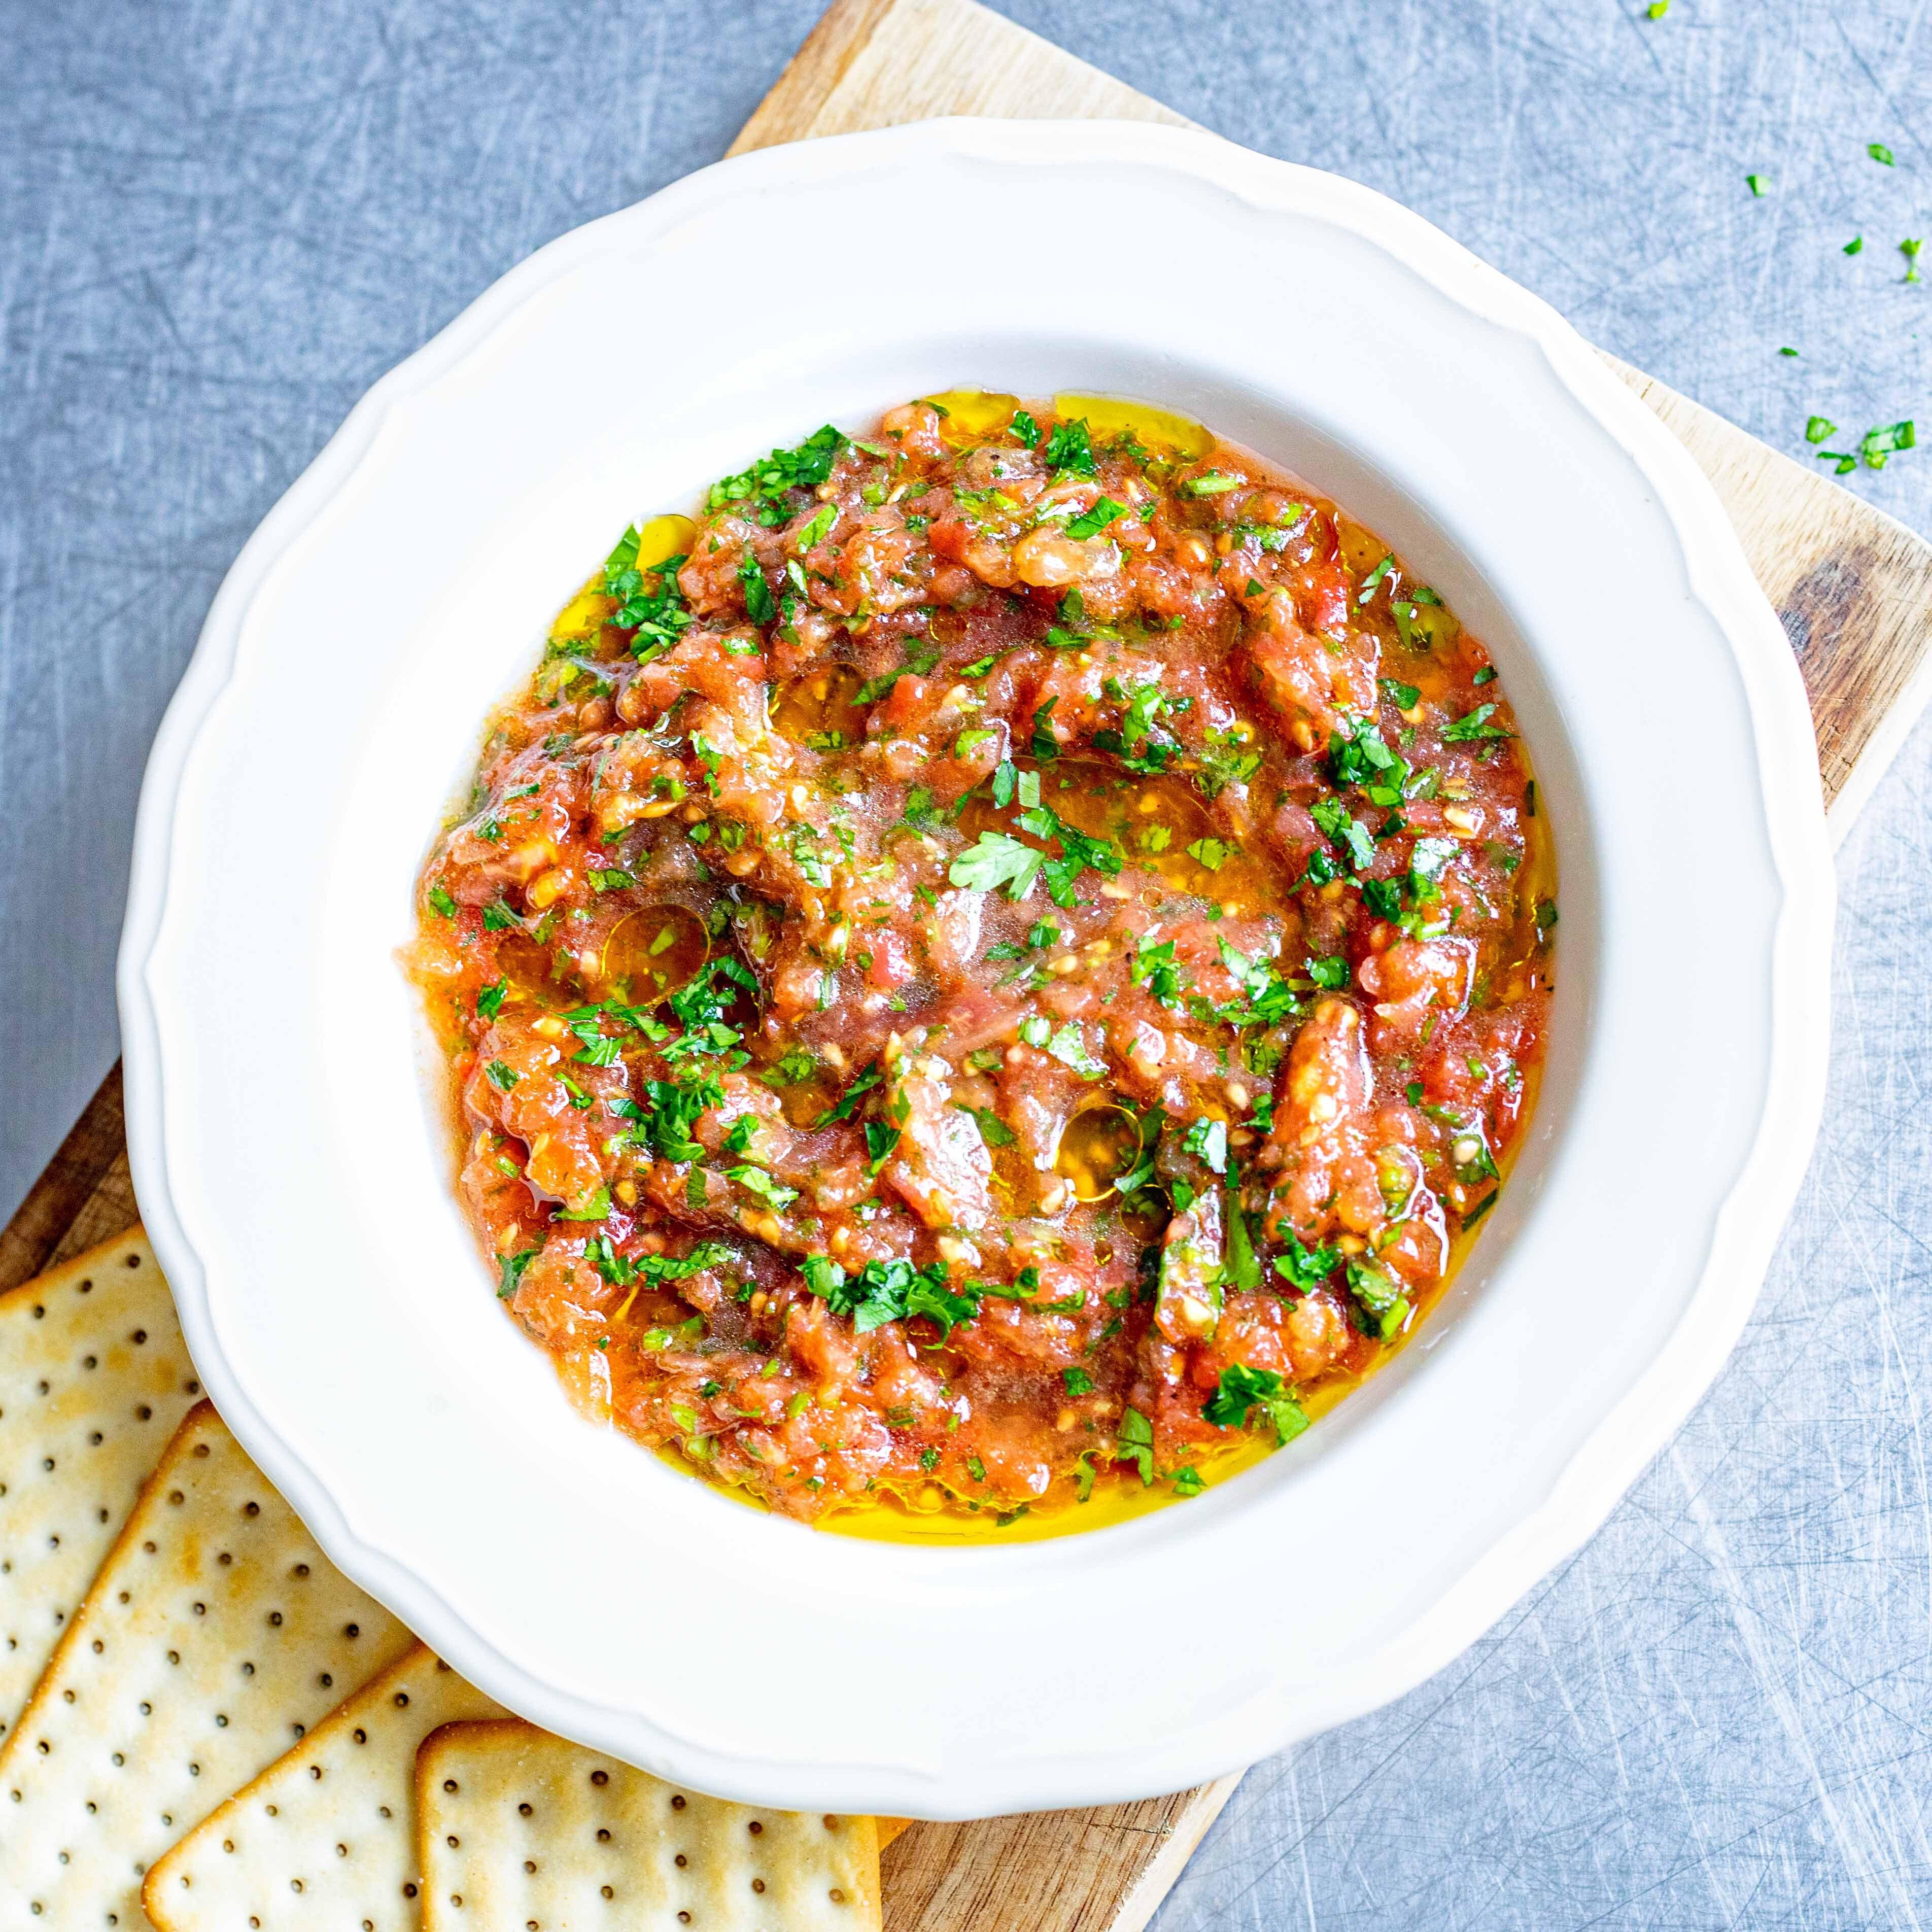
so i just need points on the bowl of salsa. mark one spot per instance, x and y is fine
(990, 975)
(941, 1032)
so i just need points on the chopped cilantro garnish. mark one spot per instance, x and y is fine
(1383, 897)
(1306, 1269)
(882, 1291)
(442, 902)
(1068, 451)
(1379, 1296)
(490, 1000)
(501, 1076)
(993, 1130)
(1475, 725)
(595, 1206)
(1023, 426)
(765, 483)
(848, 1103)
(1094, 521)
(1333, 819)
(760, 605)
(997, 859)
(1817, 428)
(658, 615)
(1880, 152)
(675, 1106)
(1077, 1381)
(1044, 744)
(1226, 759)
(1133, 1442)
(755, 1180)
(1355, 758)
(1068, 1045)
(510, 1272)
(1243, 1389)
(1152, 966)
(880, 1140)
(1207, 1141)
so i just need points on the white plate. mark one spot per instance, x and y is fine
(287, 1148)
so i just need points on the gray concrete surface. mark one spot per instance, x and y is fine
(221, 221)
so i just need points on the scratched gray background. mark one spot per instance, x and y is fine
(220, 222)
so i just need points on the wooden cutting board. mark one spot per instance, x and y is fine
(1854, 589)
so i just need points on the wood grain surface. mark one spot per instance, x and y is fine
(1854, 590)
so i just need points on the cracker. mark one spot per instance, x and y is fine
(519, 1829)
(890, 1829)
(215, 1634)
(326, 1836)
(94, 1376)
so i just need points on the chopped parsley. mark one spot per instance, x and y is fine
(1092, 522)
(1207, 1141)
(649, 603)
(510, 1271)
(880, 1140)
(847, 1104)
(754, 1181)
(763, 487)
(1226, 759)
(1306, 1269)
(1473, 726)
(1243, 1389)
(1133, 1442)
(759, 604)
(1070, 450)
(893, 1291)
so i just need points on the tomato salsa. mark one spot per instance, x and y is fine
(992, 973)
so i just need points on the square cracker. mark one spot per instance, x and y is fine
(215, 1634)
(519, 1829)
(325, 1837)
(94, 1376)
